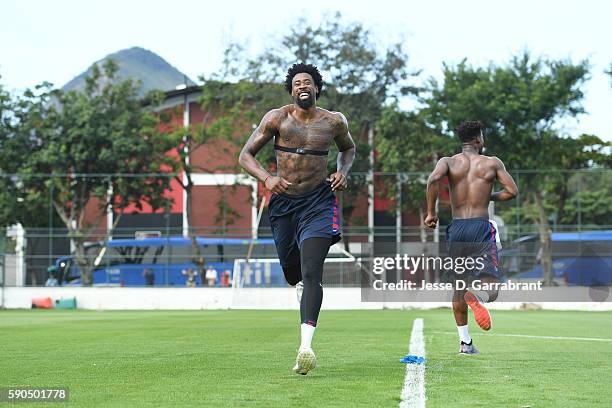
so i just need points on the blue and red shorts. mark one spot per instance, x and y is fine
(475, 238)
(296, 218)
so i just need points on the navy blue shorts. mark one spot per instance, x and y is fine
(296, 218)
(475, 238)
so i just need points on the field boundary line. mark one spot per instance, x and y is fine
(413, 392)
(532, 336)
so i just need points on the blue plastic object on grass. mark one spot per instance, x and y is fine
(412, 359)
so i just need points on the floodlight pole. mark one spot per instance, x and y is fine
(371, 186)
(186, 225)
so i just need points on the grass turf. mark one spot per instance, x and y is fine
(244, 358)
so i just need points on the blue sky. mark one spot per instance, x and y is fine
(57, 40)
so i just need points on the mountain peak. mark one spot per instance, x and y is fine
(153, 72)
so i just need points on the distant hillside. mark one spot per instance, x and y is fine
(136, 63)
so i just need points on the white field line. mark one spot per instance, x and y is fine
(529, 336)
(413, 393)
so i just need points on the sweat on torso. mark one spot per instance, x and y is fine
(304, 171)
(471, 179)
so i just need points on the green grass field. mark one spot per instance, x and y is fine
(244, 358)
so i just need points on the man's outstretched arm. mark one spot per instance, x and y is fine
(266, 130)
(510, 190)
(346, 155)
(433, 187)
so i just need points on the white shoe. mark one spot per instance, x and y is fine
(305, 361)
(299, 289)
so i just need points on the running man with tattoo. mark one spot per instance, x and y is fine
(303, 209)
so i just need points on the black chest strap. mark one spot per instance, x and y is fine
(299, 150)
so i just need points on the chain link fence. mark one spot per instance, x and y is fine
(36, 254)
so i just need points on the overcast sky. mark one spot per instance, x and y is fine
(57, 40)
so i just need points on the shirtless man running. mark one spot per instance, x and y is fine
(303, 209)
(470, 234)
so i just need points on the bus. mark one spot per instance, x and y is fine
(128, 262)
(578, 258)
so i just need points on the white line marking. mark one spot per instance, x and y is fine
(529, 336)
(413, 393)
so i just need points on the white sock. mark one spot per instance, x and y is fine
(464, 336)
(307, 333)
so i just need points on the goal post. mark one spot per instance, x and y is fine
(267, 272)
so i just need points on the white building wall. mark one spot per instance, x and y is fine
(114, 298)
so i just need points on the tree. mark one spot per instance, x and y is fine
(589, 204)
(405, 144)
(98, 144)
(360, 77)
(520, 105)
(18, 205)
(183, 141)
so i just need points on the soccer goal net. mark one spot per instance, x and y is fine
(267, 272)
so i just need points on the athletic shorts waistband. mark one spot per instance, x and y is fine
(307, 194)
(470, 219)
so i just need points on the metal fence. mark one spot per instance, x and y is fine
(576, 200)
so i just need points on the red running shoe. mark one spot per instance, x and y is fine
(481, 313)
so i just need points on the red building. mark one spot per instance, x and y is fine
(225, 201)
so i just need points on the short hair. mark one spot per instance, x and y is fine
(468, 130)
(309, 69)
